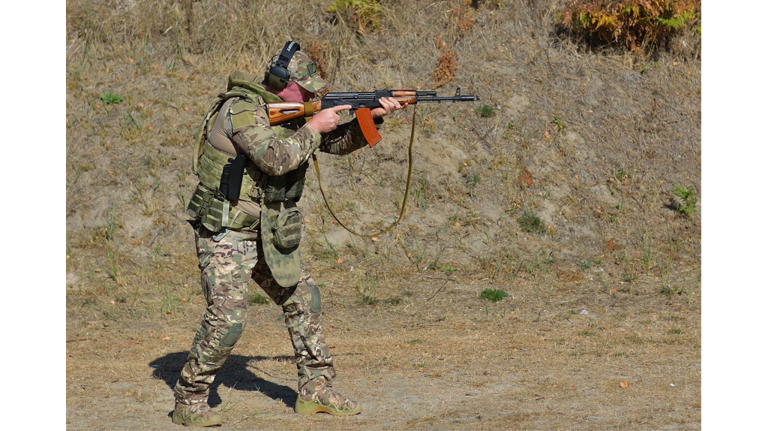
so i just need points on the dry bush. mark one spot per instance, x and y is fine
(464, 18)
(445, 69)
(439, 43)
(446, 66)
(634, 24)
(318, 52)
(363, 16)
(495, 4)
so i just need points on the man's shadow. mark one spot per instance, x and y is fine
(234, 374)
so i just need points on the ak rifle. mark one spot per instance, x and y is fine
(362, 103)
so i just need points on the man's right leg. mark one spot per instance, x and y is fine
(226, 266)
(303, 317)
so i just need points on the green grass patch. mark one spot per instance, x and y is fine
(670, 290)
(486, 111)
(530, 222)
(256, 298)
(686, 202)
(493, 295)
(110, 98)
(559, 124)
(395, 300)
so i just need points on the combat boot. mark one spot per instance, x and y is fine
(318, 395)
(197, 415)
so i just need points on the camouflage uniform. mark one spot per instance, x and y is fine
(229, 257)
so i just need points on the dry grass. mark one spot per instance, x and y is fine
(593, 145)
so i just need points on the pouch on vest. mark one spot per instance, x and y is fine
(284, 263)
(199, 202)
(232, 177)
(287, 229)
(217, 215)
(286, 187)
(294, 184)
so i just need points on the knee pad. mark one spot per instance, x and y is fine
(315, 305)
(232, 335)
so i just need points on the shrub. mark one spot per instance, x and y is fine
(633, 24)
(360, 15)
(684, 200)
(445, 69)
(318, 53)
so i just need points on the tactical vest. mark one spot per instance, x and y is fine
(207, 204)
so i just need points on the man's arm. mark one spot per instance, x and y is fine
(348, 137)
(249, 129)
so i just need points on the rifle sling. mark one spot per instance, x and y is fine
(405, 197)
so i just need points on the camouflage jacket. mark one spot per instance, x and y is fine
(241, 125)
(277, 152)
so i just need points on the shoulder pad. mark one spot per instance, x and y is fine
(242, 114)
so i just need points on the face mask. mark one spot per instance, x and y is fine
(294, 93)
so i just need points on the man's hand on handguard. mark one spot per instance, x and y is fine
(388, 106)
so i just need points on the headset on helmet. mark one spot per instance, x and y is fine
(278, 76)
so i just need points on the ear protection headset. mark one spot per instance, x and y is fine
(278, 76)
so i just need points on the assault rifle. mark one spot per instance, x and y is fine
(362, 103)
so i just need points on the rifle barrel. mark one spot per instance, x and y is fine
(370, 98)
(447, 99)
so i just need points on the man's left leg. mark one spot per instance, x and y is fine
(303, 312)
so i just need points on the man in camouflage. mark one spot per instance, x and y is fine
(256, 236)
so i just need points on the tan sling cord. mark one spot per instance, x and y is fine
(405, 197)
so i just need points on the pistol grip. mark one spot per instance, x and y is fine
(365, 120)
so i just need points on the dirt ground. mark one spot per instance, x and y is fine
(564, 192)
(441, 359)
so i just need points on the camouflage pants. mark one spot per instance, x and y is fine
(226, 266)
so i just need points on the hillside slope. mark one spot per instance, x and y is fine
(562, 188)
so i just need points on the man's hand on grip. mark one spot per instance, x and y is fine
(328, 119)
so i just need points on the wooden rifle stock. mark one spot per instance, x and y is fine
(280, 112)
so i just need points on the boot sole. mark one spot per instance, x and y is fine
(314, 406)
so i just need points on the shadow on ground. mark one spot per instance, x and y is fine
(234, 375)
